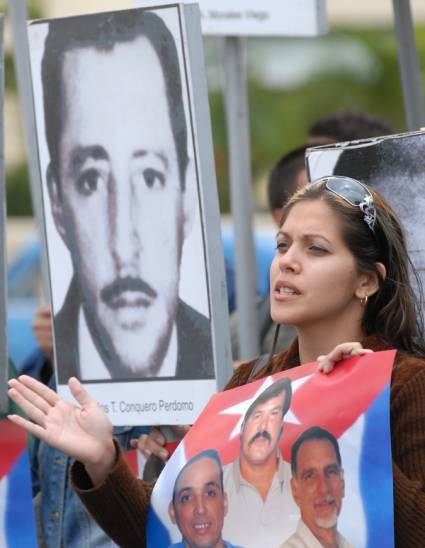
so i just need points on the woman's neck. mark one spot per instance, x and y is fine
(317, 340)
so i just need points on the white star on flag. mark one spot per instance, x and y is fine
(242, 407)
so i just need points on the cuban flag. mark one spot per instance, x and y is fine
(17, 525)
(352, 403)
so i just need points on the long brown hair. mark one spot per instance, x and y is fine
(393, 312)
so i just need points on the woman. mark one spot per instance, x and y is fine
(341, 273)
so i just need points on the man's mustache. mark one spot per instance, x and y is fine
(264, 434)
(114, 290)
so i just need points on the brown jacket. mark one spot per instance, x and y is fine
(120, 504)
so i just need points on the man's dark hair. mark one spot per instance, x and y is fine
(348, 125)
(283, 177)
(313, 433)
(282, 386)
(102, 32)
(206, 454)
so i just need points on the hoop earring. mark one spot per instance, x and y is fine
(363, 300)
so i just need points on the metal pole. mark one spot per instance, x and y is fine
(3, 215)
(237, 119)
(18, 17)
(409, 66)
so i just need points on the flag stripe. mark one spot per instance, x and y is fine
(13, 442)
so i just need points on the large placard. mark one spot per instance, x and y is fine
(126, 161)
(259, 18)
(284, 461)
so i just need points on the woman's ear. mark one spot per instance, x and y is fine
(370, 281)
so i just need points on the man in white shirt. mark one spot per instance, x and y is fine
(261, 509)
(318, 488)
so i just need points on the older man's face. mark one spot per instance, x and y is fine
(318, 486)
(200, 504)
(262, 430)
(119, 205)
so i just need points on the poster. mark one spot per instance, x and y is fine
(123, 170)
(289, 454)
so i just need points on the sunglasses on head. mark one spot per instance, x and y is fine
(355, 193)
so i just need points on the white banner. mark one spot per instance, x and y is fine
(258, 18)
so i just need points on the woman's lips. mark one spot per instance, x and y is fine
(286, 289)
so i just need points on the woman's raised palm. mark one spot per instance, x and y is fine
(81, 432)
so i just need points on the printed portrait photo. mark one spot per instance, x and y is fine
(284, 462)
(121, 197)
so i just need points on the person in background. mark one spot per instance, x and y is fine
(346, 125)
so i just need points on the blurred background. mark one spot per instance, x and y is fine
(292, 82)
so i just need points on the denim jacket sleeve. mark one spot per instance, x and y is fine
(63, 519)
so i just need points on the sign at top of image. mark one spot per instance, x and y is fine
(258, 17)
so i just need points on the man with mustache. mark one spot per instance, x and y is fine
(117, 139)
(261, 509)
(318, 488)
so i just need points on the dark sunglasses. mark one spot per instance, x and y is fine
(355, 193)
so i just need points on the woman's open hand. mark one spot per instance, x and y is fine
(84, 433)
(339, 353)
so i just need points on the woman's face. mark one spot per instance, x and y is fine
(313, 276)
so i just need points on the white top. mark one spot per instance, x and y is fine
(304, 538)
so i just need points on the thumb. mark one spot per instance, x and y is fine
(80, 393)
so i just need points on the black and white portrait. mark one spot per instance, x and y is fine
(121, 196)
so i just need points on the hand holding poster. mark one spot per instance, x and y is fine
(287, 459)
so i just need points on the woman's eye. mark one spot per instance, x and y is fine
(153, 178)
(88, 181)
(318, 249)
(281, 246)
